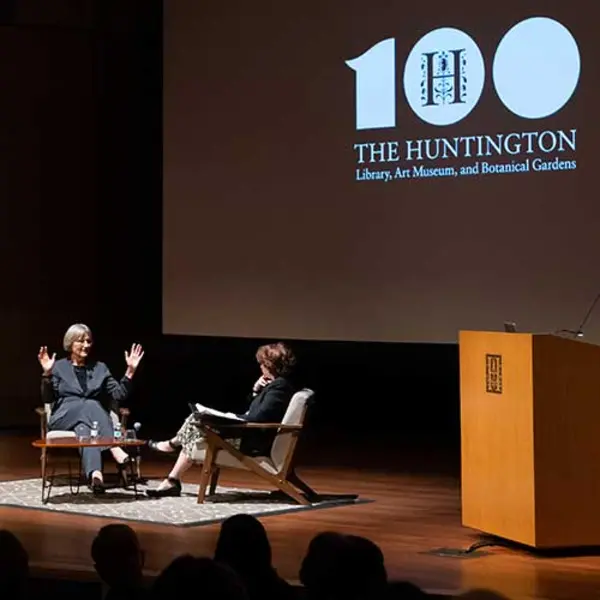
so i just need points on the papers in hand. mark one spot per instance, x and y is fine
(211, 412)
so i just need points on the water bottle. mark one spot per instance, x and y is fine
(94, 431)
(117, 433)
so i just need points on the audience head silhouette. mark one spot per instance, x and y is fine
(343, 566)
(117, 556)
(14, 565)
(237, 535)
(209, 578)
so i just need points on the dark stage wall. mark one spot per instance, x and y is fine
(80, 126)
(77, 183)
(48, 178)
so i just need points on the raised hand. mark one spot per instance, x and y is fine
(134, 357)
(45, 360)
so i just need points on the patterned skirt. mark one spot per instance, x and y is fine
(190, 436)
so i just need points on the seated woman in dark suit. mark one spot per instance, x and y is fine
(270, 398)
(82, 392)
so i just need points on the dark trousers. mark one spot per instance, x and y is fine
(78, 415)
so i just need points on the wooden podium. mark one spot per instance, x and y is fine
(530, 429)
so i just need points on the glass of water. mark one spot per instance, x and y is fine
(130, 435)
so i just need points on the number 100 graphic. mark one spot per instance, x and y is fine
(535, 72)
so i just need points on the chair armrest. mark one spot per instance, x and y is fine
(279, 426)
(40, 411)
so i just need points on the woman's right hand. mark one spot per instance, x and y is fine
(261, 382)
(45, 360)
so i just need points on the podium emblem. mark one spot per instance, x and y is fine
(493, 373)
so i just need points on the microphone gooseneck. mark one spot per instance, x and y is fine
(579, 332)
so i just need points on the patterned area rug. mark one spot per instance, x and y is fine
(120, 504)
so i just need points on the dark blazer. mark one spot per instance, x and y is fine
(63, 386)
(268, 406)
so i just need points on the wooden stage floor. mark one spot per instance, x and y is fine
(414, 511)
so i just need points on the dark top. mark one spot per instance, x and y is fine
(92, 381)
(268, 406)
(81, 374)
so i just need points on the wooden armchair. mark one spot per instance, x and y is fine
(277, 468)
(44, 413)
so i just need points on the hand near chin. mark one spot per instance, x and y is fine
(261, 382)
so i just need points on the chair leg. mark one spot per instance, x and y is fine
(44, 464)
(138, 470)
(295, 480)
(80, 476)
(207, 468)
(214, 479)
(287, 488)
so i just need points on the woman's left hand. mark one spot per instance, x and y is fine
(134, 357)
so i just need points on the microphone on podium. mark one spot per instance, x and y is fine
(578, 333)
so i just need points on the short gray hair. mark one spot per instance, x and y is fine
(75, 333)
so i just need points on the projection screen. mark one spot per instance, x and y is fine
(349, 170)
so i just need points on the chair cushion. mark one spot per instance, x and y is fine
(294, 415)
(56, 433)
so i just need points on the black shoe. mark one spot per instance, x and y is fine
(97, 486)
(173, 491)
(154, 446)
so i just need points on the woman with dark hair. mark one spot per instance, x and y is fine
(270, 397)
(82, 393)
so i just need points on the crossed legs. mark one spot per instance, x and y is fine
(91, 457)
(78, 416)
(186, 441)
